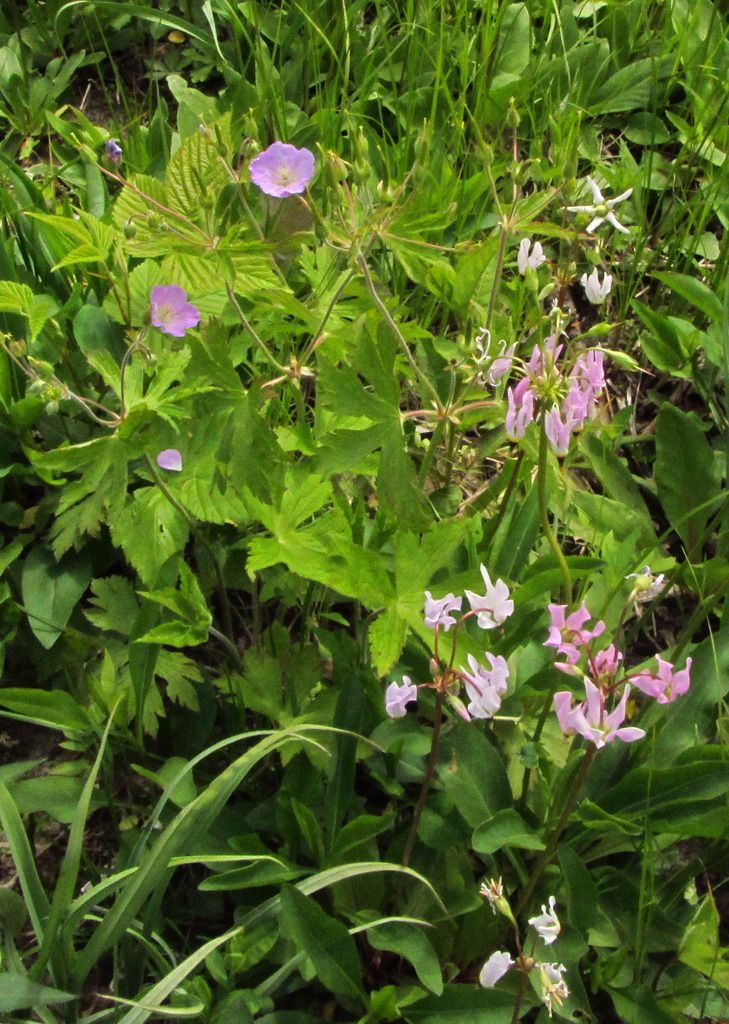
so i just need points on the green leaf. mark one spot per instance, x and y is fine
(56, 709)
(114, 604)
(325, 941)
(700, 947)
(51, 590)
(696, 292)
(149, 531)
(638, 1005)
(474, 777)
(463, 1004)
(663, 345)
(410, 942)
(505, 829)
(13, 912)
(687, 475)
(18, 992)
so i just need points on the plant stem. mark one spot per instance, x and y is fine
(427, 779)
(544, 516)
(519, 998)
(387, 316)
(224, 603)
(545, 857)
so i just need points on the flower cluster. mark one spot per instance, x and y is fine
(599, 717)
(566, 401)
(484, 683)
(552, 986)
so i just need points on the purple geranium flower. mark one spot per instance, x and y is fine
(282, 170)
(113, 150)
(170, 459)
(170, 310)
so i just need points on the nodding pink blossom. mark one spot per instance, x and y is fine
(590, 719)
(495, 968)
(529, 256)
(605, 665)
(500, 366)
(595, 289)
(589, 375)
(547, 924)
(544, 357)
(494, 607)
(520, 411)
(398, 695)
(485, 687)
(665, 685)
(437, 610)
(568, 634)
(282, 170)
(577, 403)
(558, 431)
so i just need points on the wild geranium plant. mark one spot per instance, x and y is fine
(304, 403)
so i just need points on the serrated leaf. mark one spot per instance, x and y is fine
(196, 174)
(387, 638)
(179, 674)
(149, 531)
(114, 604)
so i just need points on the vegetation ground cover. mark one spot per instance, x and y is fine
(364, 451)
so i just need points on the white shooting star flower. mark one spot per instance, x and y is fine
(602, 209)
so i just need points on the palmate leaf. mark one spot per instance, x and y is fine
(20, 299)
(149, 530)
(196, 174)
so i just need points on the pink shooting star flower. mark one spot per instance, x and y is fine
(170, 310)
(437, 611)
(559, 431)
(282, 170)
(544, 358)
(494, 607)
(665, 685)
(590, 719)
(398, 695)
(485, 687)
(520, 410)
(605, 665)
(568, 634)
